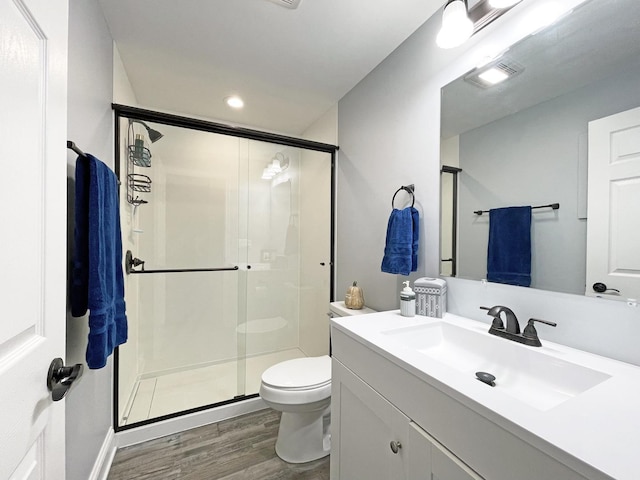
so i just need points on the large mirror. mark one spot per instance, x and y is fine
(525, 142)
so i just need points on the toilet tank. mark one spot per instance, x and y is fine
(338, 309)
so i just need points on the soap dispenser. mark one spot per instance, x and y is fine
(407, 301)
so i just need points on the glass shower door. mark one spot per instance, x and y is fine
(183, 300)
(288, 257)
(229, 243)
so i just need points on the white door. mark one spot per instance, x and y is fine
(33, 93)
(613, 224)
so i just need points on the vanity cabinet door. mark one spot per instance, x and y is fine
(372, 439)
(363, 425)
(429, 460)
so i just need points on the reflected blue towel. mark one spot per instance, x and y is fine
(401, 248)
(98, 283)
(509, 252)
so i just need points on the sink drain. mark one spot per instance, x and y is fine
(487, 378)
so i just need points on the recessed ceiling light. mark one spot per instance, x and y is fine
(234, 101)
(493, 76)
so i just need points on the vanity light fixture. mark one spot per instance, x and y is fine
(234, 101)
(266, 174)
(460, 22)
(278, 164)
(456, 26)
(274, 166)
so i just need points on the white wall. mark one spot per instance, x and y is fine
(315, 216)
(389, 136)
(90, 126)
(532, 158)
(325, 128)
(388, 129)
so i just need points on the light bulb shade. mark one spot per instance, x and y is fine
(274, 166)
(502, 3)
(456, 26)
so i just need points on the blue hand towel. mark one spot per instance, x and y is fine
(509, 251)
(401, 249)
(415, 221)
(98, 283)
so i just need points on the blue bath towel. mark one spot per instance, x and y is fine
(401, 248)
(509, 251)
(98, 283)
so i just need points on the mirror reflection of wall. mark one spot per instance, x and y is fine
(524, 142)
(449, 160)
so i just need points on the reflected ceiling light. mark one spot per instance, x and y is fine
(456, 26)
(502, 3)
(493, 76)
(494, 73)
(234, 101)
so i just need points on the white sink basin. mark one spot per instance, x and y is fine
(525, 373)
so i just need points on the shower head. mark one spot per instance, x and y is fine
(154, 135)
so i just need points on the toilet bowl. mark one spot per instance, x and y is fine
(301, 390)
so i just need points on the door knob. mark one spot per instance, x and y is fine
(600, 287)
(395, 446)
(60, 378)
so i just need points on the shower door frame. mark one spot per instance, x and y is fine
(125, 111)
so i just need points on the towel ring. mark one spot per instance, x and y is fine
(409, 189)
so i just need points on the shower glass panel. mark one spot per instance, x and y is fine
(230, 242)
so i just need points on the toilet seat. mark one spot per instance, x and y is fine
(299, 373)
(298, 381)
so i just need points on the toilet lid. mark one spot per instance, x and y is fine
(299, 373)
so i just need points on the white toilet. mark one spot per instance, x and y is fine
(301, 390)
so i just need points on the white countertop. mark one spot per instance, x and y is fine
(600, 426)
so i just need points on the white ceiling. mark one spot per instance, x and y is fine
(290, 66)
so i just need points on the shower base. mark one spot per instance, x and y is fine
(175, 392)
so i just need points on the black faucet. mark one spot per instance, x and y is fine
(528, 337)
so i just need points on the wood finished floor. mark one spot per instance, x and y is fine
(235, 449)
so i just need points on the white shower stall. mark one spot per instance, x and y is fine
(230, 264)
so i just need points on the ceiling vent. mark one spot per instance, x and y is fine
(505, 67)
(287, 3)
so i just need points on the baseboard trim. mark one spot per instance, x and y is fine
(102, 465)
(163, 428)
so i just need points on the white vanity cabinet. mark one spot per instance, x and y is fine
(377, 399)
(372, 439)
